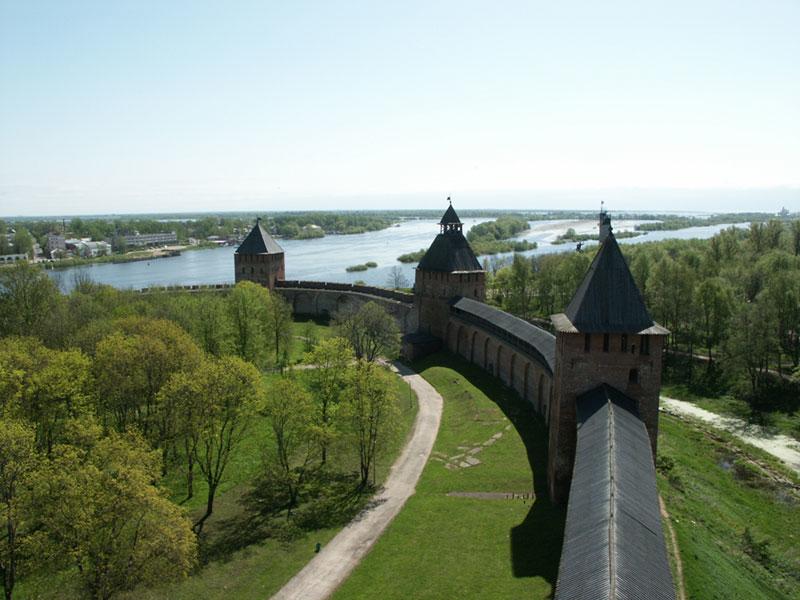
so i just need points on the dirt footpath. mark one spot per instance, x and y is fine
(780, 446)
(320, 578)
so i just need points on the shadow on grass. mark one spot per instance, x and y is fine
(536, 542)
(328, 499)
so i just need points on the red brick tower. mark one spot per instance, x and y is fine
(605, 336)
(259, 258)
(448, 269)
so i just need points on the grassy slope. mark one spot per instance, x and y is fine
(447, 547)
(711, 512)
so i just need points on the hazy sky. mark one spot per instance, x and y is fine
(116, 106)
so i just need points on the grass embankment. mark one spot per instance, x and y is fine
(784, 417)
(442, 546)
(717, 490)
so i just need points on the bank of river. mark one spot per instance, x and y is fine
(325, 259)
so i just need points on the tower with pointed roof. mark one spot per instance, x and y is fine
(605, 338)
(448, 270)
(259, 258)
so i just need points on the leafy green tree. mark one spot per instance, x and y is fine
(371, 331)
(27, 295)
(23, 242)
(751, 342)
(229, 393)
(18, 462)
(279, 325)
(291, 413)
(332, 359)
(714, 299)
(521, 290)
(370, 413)
(132, 365)
(100, 506)
(249, 306)
(211, 326)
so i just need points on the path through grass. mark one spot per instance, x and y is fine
(442, 546)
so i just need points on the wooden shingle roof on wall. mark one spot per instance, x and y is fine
(533, 340)
(613, 544)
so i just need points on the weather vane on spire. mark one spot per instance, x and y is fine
(450, 201)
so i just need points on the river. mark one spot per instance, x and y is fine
(325, 259)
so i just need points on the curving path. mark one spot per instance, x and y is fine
(780, 446)
(328, 569)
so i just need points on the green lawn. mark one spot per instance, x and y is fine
(441, 546)
(715, 492)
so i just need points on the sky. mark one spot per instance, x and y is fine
(153, 106)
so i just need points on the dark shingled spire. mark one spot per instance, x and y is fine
(608, 300)
(450, 250)
(449, 216)
(258, 241)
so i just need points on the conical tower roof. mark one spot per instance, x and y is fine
(607, 301)
(450, 250)
(258, 241)
(449, 216)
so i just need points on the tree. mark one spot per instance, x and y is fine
(230, 393)
(396, 279)
(27, 295)
(18, 462)
(291, 414)
(23, 242)
(279, 325)
(332, 359)
(714, 299)
(130, 368)
(249, 305)
(100, 507)
(370, 412)
(520, 289)
(371, 331)
(750, 342)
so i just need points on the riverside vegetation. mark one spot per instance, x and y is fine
(127, 420)
(731, 303)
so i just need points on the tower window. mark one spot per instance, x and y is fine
(623, 343)
(605, 342)
(633, 376)
(587, 342)
(644, 345)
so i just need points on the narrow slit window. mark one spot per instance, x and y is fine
(587, 342)
(633, 376)
(644, 345)
(605, 342)
(623, 343)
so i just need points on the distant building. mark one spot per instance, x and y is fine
(89, 249)
(150, 239)
(56, 244)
